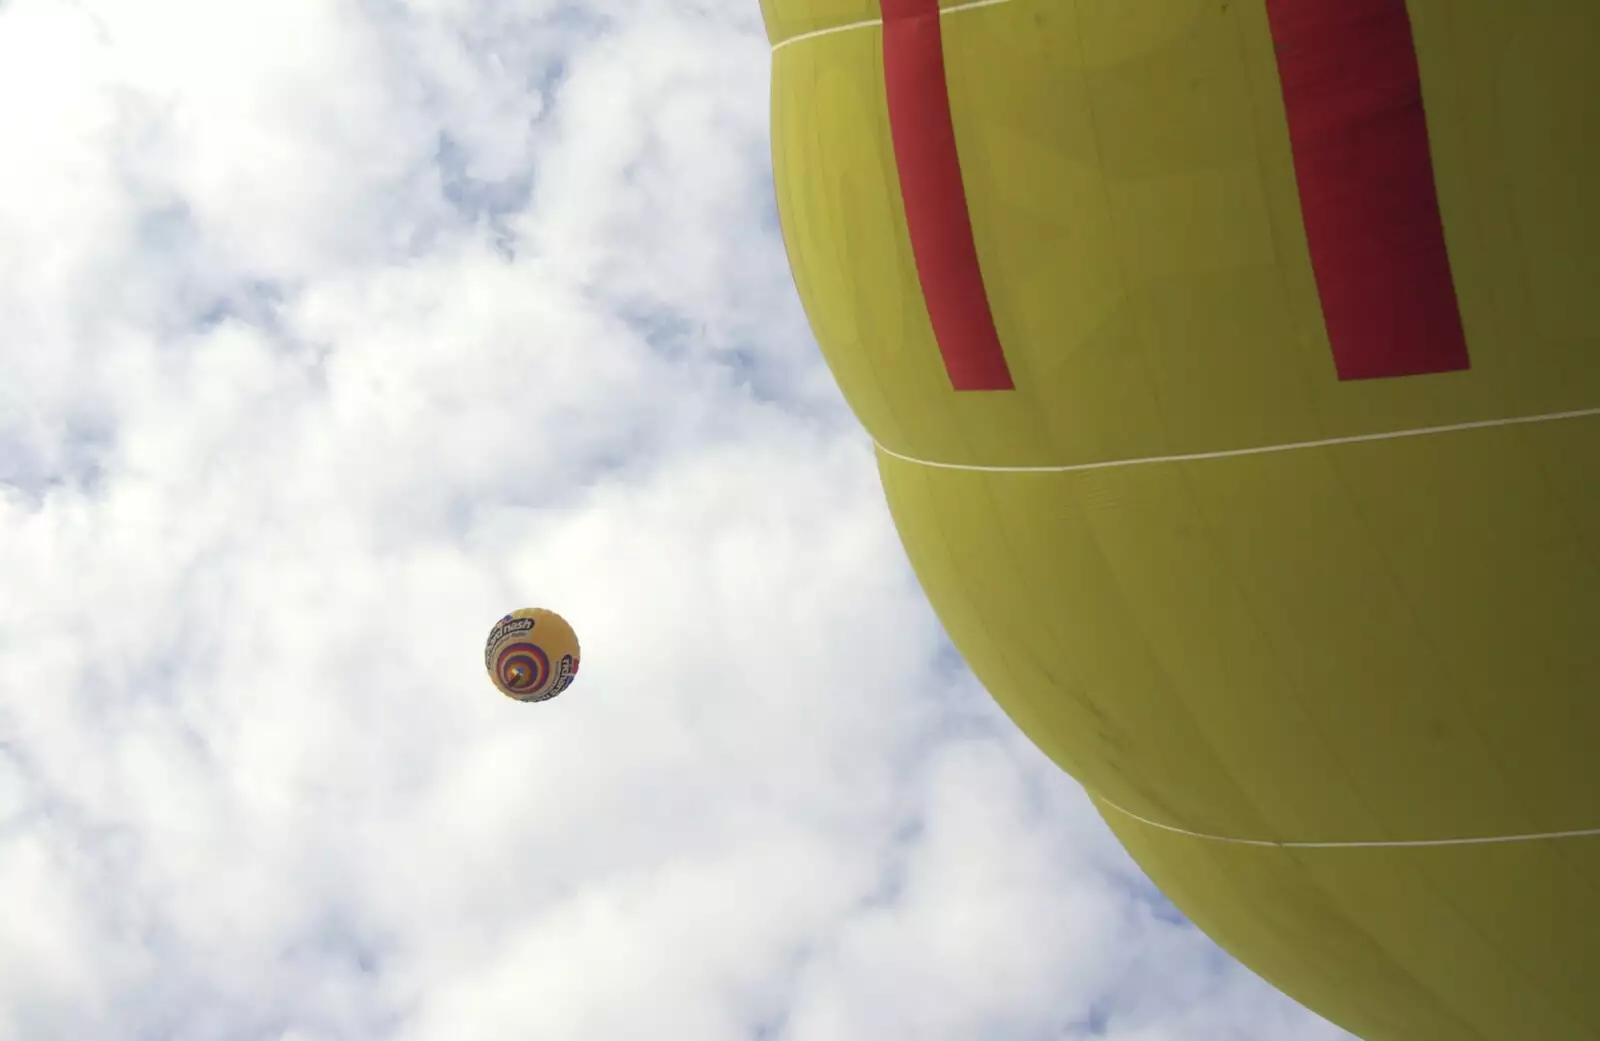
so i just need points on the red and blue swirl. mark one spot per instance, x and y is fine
(522, 668)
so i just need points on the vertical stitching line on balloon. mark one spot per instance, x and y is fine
(1303, 379)
(1173, 690)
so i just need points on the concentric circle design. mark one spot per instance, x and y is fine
(522, 667)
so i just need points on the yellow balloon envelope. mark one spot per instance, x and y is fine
(532, 654)
(1234, 367)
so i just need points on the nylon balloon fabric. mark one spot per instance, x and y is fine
(1234, 370)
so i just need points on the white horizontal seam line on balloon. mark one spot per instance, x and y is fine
(1230, 453)
(870, 22)
(1484, 840)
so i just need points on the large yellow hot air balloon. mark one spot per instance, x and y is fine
(1234, 367)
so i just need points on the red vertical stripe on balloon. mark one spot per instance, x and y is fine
(1353, 93)
(935, 199)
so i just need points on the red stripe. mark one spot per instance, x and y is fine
(935, 199)
(1353, 93)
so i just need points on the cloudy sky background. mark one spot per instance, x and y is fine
(330, 332)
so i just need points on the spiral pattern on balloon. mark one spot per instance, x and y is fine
(522, 668)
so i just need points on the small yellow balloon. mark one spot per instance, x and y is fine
(532, 654)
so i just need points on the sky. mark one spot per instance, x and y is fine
(333, 330)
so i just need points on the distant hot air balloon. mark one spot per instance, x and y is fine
(1234, 367)
(532, 654)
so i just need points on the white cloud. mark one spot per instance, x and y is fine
(329, 333)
